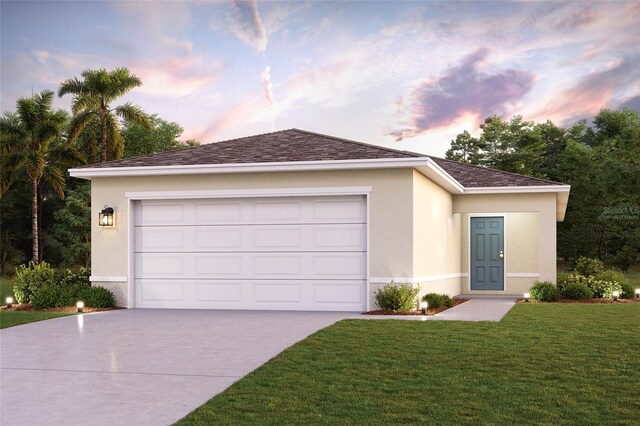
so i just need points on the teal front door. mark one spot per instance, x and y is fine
(487, 253)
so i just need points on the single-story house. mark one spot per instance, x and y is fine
(295, 220)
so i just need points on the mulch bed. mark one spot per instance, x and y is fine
(430, 312)
(602, 301)
(17, 307)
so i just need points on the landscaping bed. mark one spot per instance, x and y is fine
(71, 309)
(430, 312)
(599, 301)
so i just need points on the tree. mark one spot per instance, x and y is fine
(466, 149)
(73, 226)
(162, 137)
(25, 139)
(91, 104)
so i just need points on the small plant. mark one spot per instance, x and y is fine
(97, 297)
(397, 297)
(576, 290)
(436, 301)
(69, 278)
(30, 278)
(544, 291)
(604, 289)
(588, 267)
(55, 296)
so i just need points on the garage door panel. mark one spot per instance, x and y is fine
(342, 292)
(217, 212)
(339, 210)
(156, 290)
(284, 265)
(246, 238)
(160, 214)
(218, 291)
(277, 292)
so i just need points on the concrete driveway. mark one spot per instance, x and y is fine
(139, 366)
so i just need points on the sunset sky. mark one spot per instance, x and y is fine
(408, 75)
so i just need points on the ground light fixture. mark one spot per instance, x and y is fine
(423, 307)
(80, 306)
(638, 293)
(616, 294)
(105, 217)
(527, 296)
(9, 301)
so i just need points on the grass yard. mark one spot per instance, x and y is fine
(6, 287)
(13, 318)
(543, 364)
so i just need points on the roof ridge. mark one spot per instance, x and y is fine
(478, 166)
(384, 148)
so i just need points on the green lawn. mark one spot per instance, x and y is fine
(543, 364)
(13, 318)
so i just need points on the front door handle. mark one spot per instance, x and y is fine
(501, 254)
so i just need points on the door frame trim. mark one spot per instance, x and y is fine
(504, 245)
(133, 197)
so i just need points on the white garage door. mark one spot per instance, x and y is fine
(305, 253)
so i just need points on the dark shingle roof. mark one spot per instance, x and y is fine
(299, 145)
(286, 145)
(471, 176)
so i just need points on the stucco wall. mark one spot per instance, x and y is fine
(390, 212)
(530, 235)
(436, 238)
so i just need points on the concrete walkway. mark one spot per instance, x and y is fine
(478, 308)
(137, 366)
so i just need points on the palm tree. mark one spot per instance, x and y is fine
(28, 144)
(91, 107)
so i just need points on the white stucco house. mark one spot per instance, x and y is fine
(294, 220)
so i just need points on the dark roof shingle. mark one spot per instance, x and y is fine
(299, 145)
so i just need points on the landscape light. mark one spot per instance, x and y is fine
(423, 307)
(638, 292)
(105, 217)
(616, 294)
(80, 306)
(527, 296)
(9, 301)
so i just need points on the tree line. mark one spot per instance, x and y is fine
(601, 162)
(40, 206)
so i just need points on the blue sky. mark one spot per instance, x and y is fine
(409, 75)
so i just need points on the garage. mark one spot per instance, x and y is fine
(269, 253)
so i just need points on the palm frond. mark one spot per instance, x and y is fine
(122, 81)
(115, 141)
(55, 178)
(84, 102)
(72, 86)
(134, 114)
(79, 122)
(13, 135)
(65, 155)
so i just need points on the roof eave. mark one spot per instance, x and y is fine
(285, 166)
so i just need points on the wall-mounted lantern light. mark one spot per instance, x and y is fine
(106, 216)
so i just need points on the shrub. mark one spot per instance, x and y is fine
(588, 267)
(576, 290)
(544, 291)
(604, 289)
(436, 301)
(628, 292)
(55, 296)
(97, 297)
(565, 278)
(69, 278)
(30, 278)
(397, 298)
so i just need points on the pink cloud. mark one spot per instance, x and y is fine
(462, 90)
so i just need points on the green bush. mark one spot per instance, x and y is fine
(576, 290)
(397, 298)
(97, 297)
(69, 278)
(628, 292)
(588, 267)
(544, 291)
(604, 289)
(56, 296)
(30, 278)
(436, 301)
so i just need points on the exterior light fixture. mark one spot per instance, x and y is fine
(106, 216)
(80, 306)
(423, 307)
(638, 293)
(527, 296)
(616, 294)
(9, 301)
